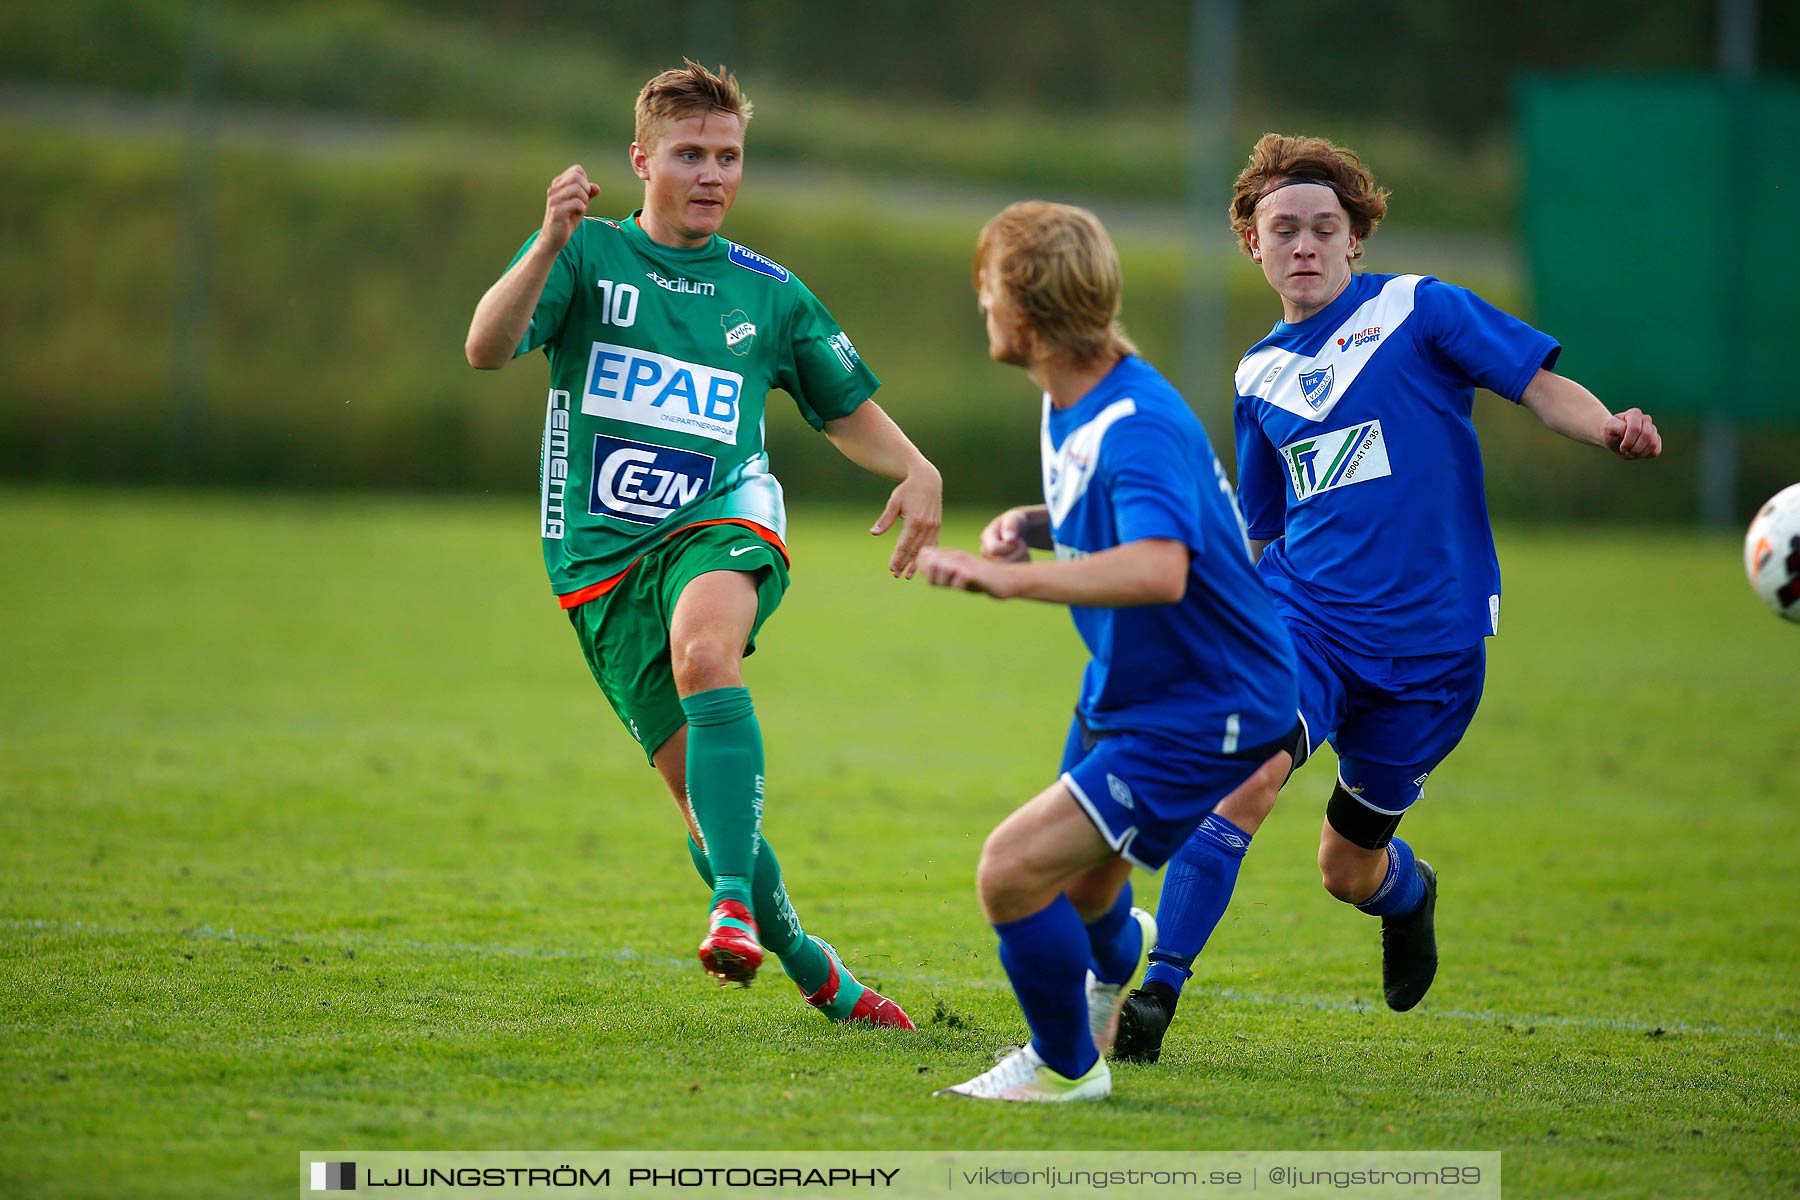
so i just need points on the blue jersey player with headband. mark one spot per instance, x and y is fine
(1360, 479)
(1185, 722)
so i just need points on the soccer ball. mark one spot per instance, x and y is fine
(1772, 553)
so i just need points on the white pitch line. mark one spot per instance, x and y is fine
(1228, 995)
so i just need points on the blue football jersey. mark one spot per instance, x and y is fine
(1358, 462)
(1130, 461)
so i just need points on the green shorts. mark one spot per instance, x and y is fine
(624, 634)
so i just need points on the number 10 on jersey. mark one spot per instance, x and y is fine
(618, 302)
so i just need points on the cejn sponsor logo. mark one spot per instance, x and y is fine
(1336, 459)
(628, 384)
(642, 483)
(750, 260)
(686, 286)
(553, 475)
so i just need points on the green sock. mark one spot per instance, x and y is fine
(725, 785)
(781, 931)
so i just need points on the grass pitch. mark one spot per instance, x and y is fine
(314, 832)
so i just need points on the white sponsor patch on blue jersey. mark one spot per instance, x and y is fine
(1332, 460)
(1311, 385)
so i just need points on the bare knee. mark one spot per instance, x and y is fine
(704, 661)
(997, 879)
(1349, 872)
(1339, 879)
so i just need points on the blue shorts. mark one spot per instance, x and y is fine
(1391, 720)
(1147, 794)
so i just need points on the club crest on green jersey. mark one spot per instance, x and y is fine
(739, 332)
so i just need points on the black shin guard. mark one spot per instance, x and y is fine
(1357, 823)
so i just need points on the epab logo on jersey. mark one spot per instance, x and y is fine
(645, 388)
(750, 260)
(644, 483)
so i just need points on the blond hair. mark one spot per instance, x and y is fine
(1277, 159)
(1056, 263)
(683, 92)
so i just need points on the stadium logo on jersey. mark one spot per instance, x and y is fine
(840, 344)
(1336, 459)
(628, 384)
(1361, 337)
(1121, 791)
(739, 332)
(642, 483)
(750, 260)
(686, 286)
(1315, 386)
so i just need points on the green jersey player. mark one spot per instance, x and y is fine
(663, 529)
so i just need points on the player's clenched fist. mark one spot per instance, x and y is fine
(565, 204)
(1632, 434)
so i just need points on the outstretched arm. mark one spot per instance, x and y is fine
(1149, 571)
(869, 438)
(504, 314)
(1571, 410)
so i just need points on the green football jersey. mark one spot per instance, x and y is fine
(661, 361)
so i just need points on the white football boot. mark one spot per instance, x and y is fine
(1106, 999)
(1022, 1075)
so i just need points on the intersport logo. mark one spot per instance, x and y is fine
(1336, 459)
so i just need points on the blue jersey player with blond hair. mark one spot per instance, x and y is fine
(1361, 484)
(1184, 725)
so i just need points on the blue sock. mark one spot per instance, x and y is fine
(1402, 891)
(1116, 940)
(1046, 958)
(1195, 892)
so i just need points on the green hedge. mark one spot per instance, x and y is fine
(380, 58)
(343, 284)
